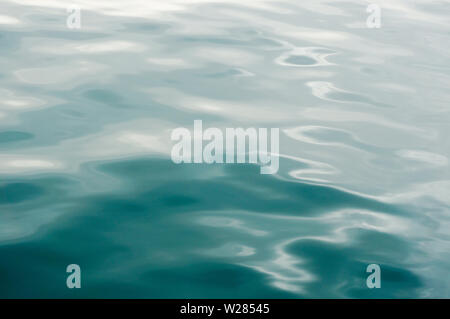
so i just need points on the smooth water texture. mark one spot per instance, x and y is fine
(85, 170)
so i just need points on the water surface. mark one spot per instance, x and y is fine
(86, 176)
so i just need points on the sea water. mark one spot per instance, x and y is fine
(90, 92)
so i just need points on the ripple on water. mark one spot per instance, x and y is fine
(327, 91)
(14, 136)
(305, 57)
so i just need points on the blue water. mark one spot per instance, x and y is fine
(85, 170)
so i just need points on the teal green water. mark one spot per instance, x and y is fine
(85, 170)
